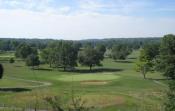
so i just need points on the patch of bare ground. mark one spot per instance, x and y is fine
(103, 100)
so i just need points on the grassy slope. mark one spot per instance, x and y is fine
(126, 89)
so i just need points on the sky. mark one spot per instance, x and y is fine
(86, 19)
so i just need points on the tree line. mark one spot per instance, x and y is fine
(10, 44)
(161, 57)
(68, 54)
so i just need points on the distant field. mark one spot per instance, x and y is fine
(118, 87)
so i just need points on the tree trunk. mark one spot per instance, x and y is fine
(144, 72)
(64, 68)
(90, 67)
(50, 64)
(144, 76)
(32, 67)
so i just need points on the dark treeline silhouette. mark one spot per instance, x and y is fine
(134, 43)
(10, 44)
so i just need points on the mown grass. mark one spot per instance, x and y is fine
(126, 89)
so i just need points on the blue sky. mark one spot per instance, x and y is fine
(85, 19)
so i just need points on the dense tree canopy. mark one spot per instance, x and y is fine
(166, 64)
(148, 55)
(11, 60)
(24, 50)
(90, 56)
(150, 51)
(120, 51)
(101, 50)
(170, 103)
(32, 60)
(47, 56)
(166, 61)
(66, 55)
(61, 54)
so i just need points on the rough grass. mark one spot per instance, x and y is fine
(12, 83)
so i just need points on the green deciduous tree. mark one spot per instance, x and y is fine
(101, 50)
(166, 64)
(66, 55)
(143, 65)
(147, 58)
(47, 56)
(61, 54)
(166, 60)
(89, 56)
(23, 50)
(32, 60)
(11, 60)
(170, 103)
(120, 51)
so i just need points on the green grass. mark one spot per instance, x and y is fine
(126, 89)
(15, 83)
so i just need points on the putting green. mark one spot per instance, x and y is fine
(86, 77)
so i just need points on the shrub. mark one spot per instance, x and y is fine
(11, 60)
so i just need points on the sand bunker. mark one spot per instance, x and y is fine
(88, 77)
(94, 82)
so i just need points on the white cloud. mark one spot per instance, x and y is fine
(23, 23)
(32, 5)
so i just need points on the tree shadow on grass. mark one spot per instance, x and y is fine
(132, 58)
(123, 61)
(18, 66)
(43, 69)
(159, 79)
(96, 70)
(14, 89)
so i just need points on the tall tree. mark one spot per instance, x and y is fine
(120, 51)
(144, 65)
(101, 50)
(166, 61)
(47, 56)
(147, 58)
(66, 55)
(89, 57)
(23, 50)
(166, 64)
(32, 60)
(61, 54)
